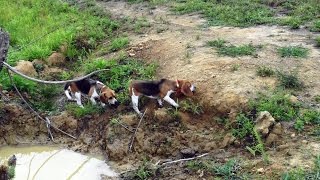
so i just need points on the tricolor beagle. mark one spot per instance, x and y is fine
(159, 90)
(94, 89)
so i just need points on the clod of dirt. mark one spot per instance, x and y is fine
(63, 48)
(162, 116)
(65, 122)
(263, 122)
(188, 153)
(117, 150)
(56, 59)
(129, 119)
(26, 67)
(228, 140)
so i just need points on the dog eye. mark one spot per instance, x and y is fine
(110, 98)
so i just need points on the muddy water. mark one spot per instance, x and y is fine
(51, 162)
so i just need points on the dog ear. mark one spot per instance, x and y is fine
(185, 89)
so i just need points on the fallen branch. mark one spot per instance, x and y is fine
(135, 132)
(50, 82)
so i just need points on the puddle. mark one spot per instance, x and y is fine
(51, 162)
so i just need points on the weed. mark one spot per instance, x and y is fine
(233, 51)
(293, 51)
(264, 71)
(21, 83)
(79, 112)
(219, 43)
(196, 165)
(317, 98)
(191, 107)
(307, 117)
(289, 80)
(294, 174)
(174, 113)
(278, 104)
(316, 26)
(292, 22)
(244, 126)
(118, 43)
(11, 172)
(141, 23)
(143, 171)
(318, 41)
(259, 147)
(227, 170)
(235, 67)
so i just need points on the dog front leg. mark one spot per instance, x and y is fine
(135, 104)
(171, 101)
(93, 101)
(78, 98)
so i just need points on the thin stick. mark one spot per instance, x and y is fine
(135, 132)
(50, 82)
(124, 126)
(180, 160)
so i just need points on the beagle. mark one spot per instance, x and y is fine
(159, 90)
(94, 89)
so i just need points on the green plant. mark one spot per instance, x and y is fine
(196, 165)
(144, 172)
(118, 43)
(244, 126)
(292, 22)
(189, 106)
(259, 147)
(307, 117)
(299, 173)
(141, 23)
(227, 170)
(293, 51)
(79, 112)
(318, 41)
(174, 113)
(235, 67)
(294, 174)
(317, 98)
(316, 26)
(289, 80)
(219, 43)
(278, 104)
(11, 172)
(264, 71)
(233, 51)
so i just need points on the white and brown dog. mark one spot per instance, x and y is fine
(159, 90)
(92, 88)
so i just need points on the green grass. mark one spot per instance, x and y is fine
(278, 104)
(244, 126)
(219, 43)
(233, 51)
(300, 173)
(144, 172)
(28, 20)
(316, 26)
(264, 71)
(118, 43)
(88, 109)
(289, 80)
(189, 106)
(318, 41)
(308, 116)
(293, 51)
(11, 172)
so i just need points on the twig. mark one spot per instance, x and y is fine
(135, 132)
(124, 126)
(50, 82)
(179, 160)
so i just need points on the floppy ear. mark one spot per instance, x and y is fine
(185, 89)
(103, 97)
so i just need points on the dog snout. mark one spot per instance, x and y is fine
(193, 88)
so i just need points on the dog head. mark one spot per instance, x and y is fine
(186, 87)
(108, 96)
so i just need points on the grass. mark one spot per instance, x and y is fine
(30, 19)
(300, 173)
(118, 43)
(219, 43)
(308, 116)
(278, 104)
(189, 106)
(143, 171)
(244, 126)
(79, 112)
(316, 26)
(289, 80)
(11, 172)
(318, 41)
(232, 50)
(293, 51)
(140, 24)
(264, 71)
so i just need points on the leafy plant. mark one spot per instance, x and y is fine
(11, 172)
(264, 71)
(318, 41)
(88, 109)
(227, 170)
(244, 126)
(316, 26)
(289, 80)
(307, 117)
(118, 43)
(219, 43)
(293, 51)
(259, 147)
(233, 51)
(189, 106)
(143, 171)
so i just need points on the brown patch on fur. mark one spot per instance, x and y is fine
(74, 88)
(185, 88)
(107, 94)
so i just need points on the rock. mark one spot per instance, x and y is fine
(117, 150)
(56, 59)
(227, 140)
(26, 67)
(271, 139)
(304, 141)
(293, 99)
(293, 135)
(282, 147)
(12, 161)
(260, 170)
(263, 122)
(188, 153)
(129, 119)
(277, 129)
(65, 122)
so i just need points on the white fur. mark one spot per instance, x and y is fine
(192, 88)
(78, 98)
(169, 100)
(135, 102)
(112, 101)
